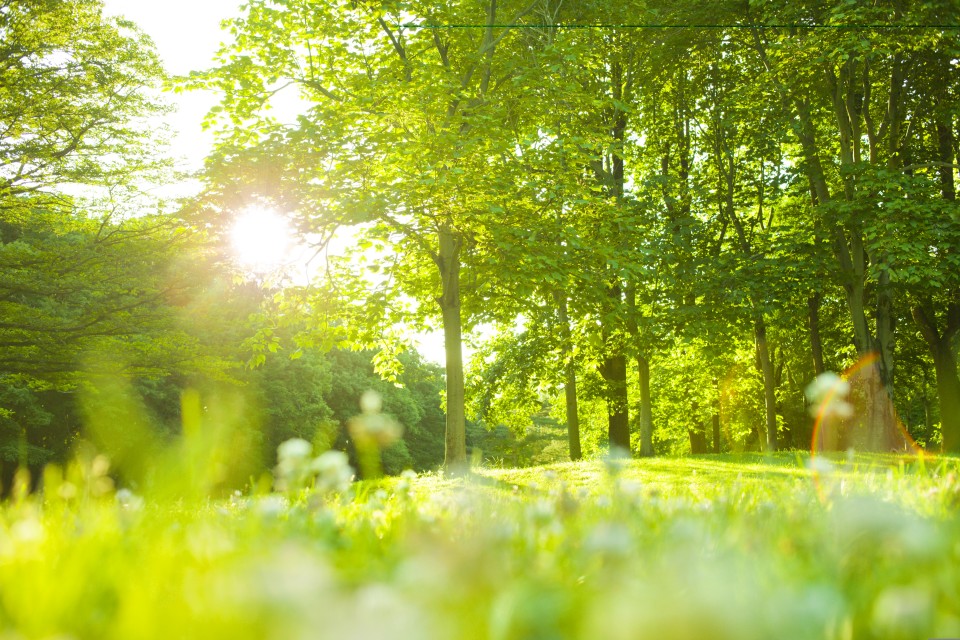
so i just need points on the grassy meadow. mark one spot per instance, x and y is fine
(747, 546)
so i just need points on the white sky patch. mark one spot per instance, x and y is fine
(187, 35)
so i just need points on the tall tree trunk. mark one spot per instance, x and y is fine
(646, 411)
(614, 372)
(948, 392)
(885, 429)
(698, 440)
(941, 345)
(643, 374)
(945, 366)
(716, 416)
(850, 96)
(614, 367)
(716, 433)
(816, 346)
(697, 433)
(769, 382)
(448, 261)
(570, 378)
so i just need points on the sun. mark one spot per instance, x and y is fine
(261, 239)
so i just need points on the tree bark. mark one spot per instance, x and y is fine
(646, 411)
(570, 379)
(717, 403)
(614, 372)
(945, 366)
(448, 261)
(816, 346)
(885, 428)
(698, 440)
(697, 433)
(614, 368)
(874, 388)
(948, 392)
(716, 433)
(643, 374)
(769, 382)
(618, 424)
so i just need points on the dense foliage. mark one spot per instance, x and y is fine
(672, 230)
(686, 224)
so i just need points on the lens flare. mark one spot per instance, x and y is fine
(832, 410)
(261, 239)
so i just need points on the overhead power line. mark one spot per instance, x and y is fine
(884, 26)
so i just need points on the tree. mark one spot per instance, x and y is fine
(95, 278)
(864, 91)
(88, 273)
(79, 91)
(406, 131)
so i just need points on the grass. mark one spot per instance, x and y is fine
(739, 547)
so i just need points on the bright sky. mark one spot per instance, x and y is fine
(187, 34)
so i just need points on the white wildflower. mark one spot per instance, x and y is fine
(272, 506)
(376, 427)
(333, 471)
(609, 539)
(371, 402)
(295, 449)
(28, 530)
(293, 464)
(128, 500)
(820, 464)
(828, 396)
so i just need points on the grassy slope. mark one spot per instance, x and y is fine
(708, 547)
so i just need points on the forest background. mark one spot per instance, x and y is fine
(665, 231)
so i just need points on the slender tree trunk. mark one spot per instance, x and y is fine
(614, 372)
(769, 382)
(874, 387)
(816, 346)
(716, 417)
(948, 392)
(698, 440)
(573, 420)
(570, 379)
(945, 366)
(851, 105)
(646, 411)
(448, 260)
(615, 362)
(884, 428)
(944, 361)
(716, 433)
(697, 433)
(643, 374)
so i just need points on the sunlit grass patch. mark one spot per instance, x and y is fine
(688, 548)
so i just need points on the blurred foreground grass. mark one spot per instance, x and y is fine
(705, 547)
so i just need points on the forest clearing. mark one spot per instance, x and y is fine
(498, 319)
